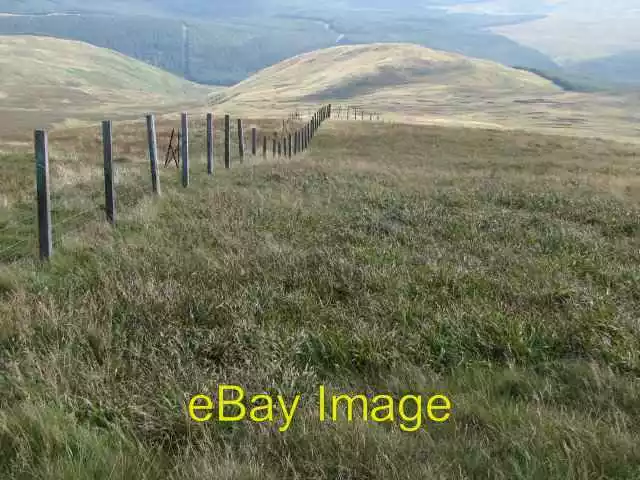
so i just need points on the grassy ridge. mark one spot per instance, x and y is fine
(501, 268)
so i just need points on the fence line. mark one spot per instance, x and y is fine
(289, 143)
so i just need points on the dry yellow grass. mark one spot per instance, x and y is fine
(410, 83)
(48, 80)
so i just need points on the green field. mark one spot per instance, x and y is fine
(498, 268)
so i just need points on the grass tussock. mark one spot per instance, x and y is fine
(498, 268)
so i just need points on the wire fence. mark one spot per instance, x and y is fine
(109, 162)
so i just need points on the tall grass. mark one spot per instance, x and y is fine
(498, 268)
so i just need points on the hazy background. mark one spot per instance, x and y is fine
(585, 44)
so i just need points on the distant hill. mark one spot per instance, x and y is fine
(350, 72)
(411, 83)
(196, 8)
(622, 69)
(47, 79)
(230, 41)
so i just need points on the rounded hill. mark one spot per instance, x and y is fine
(49, 73)
(388, 69)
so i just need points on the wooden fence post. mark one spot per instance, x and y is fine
(289, 146)
(184, 147)
(210, 144)
(152, 141)
(240, 140)
(264, 146)
(227, 141)
(254, 141)
(295, 143)
(42, 188)
(107, 150)
(274, 145)
(279, 147)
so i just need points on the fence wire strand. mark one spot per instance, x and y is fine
(296, 123)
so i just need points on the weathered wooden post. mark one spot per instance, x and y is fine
(41, 144)
(184, 144)
(210, 144)
(289, 146)
(264, 146)
(254, 141)
(295, 143)
(279, 147)
(227, 141)
(152, 141)
(240, 140)
(107, 150)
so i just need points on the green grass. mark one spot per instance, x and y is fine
(498, 268)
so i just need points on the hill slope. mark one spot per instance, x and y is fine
(230, 41)
(62, 78)
(348, 72)
(410, 83)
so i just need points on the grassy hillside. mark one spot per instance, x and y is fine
(498, 268)
(52, 79)
(413, 83)
(226, 47)
(221, 52)
(350, 71)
